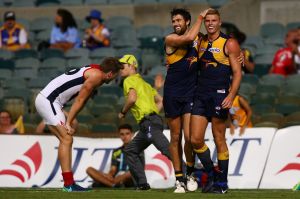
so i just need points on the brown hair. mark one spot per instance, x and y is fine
(111, 64)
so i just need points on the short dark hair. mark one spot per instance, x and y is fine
(183, 12)
(111, 64)
(125, 126)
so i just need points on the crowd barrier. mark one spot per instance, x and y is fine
(265, 158)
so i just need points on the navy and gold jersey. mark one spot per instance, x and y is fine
(182, 71)
(118, 159)
(215, 69)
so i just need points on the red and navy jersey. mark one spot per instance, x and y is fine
(66, 86)
(181, 79)
(215, 70)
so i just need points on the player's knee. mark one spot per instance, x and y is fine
(89, 170)
(67, 140)
(197, 142)
(175, 139)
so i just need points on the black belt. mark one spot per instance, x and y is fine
(147, 116)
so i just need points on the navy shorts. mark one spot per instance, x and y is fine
(209, 104)
(177, 106)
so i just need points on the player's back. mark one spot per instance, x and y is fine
(66, 86)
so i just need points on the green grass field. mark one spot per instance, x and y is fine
(16, 193)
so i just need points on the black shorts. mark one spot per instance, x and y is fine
(177, 106)
(209, 104)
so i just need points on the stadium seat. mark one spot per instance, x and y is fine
(54, 62)
(292, 25)
(96, 2)
(105, 99)
(291, 89)
(289, 99)
(259, 109)
(26, 53)
(5, 54)
(271, 28)
(51, 53)
(113, 22)
(77, 53)
(83, 128)
(256, 41)
(246, 89)
(250, 79)
(85, 118)
(277, 118)
(267, 89)
(24, 3)
(26, 68)
(273, 80)
(119, 2)
(144, 2)
(217, 3)
(124, 36)
(22, 93)
(14, 82)
(263, 99)
(98, 110)
(71, 2)
(42, 23)
(78, 62)
(104, 128)
(7, 64)
(295, 116)
(290, 123)
(38, 83)
(267, 50)
(170, 1)
(111, 90)
(188, 2)
(149, 60)
(277, 40)
(5, 74)
(149, 31)
(102, 53)
(158, 69)
(42, 3)
(266, 124)
(262, 69)
(286, 109)
(107, 118)
(149, 80)
(32, 118)
(43, 35)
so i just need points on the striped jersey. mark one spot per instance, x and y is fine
(181, 76)
(215, 70)
(66, 86)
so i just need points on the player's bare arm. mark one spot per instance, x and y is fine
(158, 101)
(232, 49)
(94, 78)
(130, 101)
(174, 40)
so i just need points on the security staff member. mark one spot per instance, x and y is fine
(145, 104)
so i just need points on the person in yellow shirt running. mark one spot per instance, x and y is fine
(240, 115)
(145, 104)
